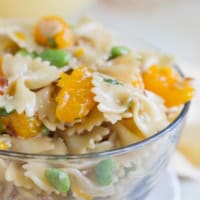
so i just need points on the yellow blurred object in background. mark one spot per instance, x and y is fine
(189, 145)
(38, 8)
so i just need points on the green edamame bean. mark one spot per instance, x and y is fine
(4, 113)
(118, 51)
(24, 52)
(104, 172)
(58, 179)
(56, 57)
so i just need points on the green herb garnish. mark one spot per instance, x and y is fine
(4, 113)
(24, 52)
(112, 81)
(127, 170)
(45, 131)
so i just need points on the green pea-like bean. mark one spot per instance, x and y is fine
(56, 57)
(58, 179)
(117, 51)
(104, 172)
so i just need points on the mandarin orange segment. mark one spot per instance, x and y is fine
(53, 31)
(75, 99)
(22, 125)
(64, 38)
(167, 83)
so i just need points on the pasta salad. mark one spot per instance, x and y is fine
(72, 89)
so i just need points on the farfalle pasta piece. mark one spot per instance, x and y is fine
(60, 147)
(21, 98)
(35, 72)
(94, 34)
(103, 146)
(86, 185)
(39, 144)
(33, 145)
(82, 143)
(149, 58)
(7, 45)
(124, 68)
(112, 96)
(95, 118)
(46, 109)
(22, 36)
(3, 167)
(25, 74)
(15, 174)
(113, 138)
(156, 99)
(35, 172)
(90, 57)
(148, 115)
(20, 33)
(125, 136)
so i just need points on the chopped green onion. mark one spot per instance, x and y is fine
(132, 168)
(45, 131)
(112, 81)
(58, 179)
(3, 112)
(24, 52)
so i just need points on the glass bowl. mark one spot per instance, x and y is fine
(137, 169)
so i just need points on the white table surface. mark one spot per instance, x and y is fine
(168, 187)
(171, 25)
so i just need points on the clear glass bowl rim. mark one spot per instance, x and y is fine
(109, 153)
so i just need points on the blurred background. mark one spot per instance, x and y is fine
(172, 26)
